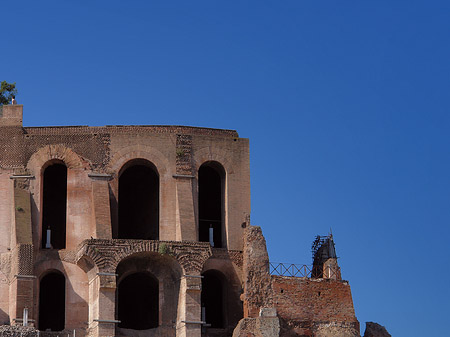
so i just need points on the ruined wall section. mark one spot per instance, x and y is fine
(257, 282)
(310, 307)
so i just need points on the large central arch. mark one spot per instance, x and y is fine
(139, 201)
(148, 286)
(138, 304)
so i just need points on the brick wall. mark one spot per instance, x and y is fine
(308, 303)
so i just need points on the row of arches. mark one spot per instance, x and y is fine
(137, 301)
(138, 203)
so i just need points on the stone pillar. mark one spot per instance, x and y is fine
(102, 299)
(186, 223)
(189, 322)
(101, 205)
(20, 297)
(185, 220)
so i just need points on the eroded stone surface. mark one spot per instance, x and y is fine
(375, 330)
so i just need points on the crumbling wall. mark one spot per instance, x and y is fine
(375, 330)
(257, 284)
(260, 318)
(306, 307)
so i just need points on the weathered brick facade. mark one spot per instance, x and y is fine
(198, 271)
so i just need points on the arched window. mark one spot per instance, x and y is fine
(211, 186)
(139, 201)
(213, 299)
(54, 201)
(52, 301)
(138, 304)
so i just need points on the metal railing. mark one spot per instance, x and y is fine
(303, 270)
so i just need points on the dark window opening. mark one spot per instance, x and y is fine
(54, 196)
(212, 300)
(139, 203)
(210, 202)
(52, 299)
(138, 302)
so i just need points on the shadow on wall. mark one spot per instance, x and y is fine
(4, 318)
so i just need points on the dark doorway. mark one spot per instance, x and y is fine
(210, 202)
(138, 304)
(52, 300)
(139, 203)
(212, 299)
(54, 196)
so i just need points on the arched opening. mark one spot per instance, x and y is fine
(54, 201)
(211, 182)
(213, 300)
(52, 300)
(139, 202)
(138, 304)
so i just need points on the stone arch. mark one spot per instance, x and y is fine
(207, 154)
(126, 155)
(148, 288)
(138, 201)
(55, 152)
(220, 156)
(211, 202)
(36, 165)
(131, 152)
(76, 285)
(107, 254)
(228, 272)
(54, 204)
(213, 299)
(52, 300)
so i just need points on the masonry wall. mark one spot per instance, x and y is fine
(95, 157)
(303, 305)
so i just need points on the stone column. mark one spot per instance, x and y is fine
(189, 323)
(102, 299)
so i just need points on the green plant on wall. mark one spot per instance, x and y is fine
(180, 152)
(164, 249)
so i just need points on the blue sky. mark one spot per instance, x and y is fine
(346, 104)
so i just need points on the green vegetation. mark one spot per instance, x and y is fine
(7, 91)
(164, 249)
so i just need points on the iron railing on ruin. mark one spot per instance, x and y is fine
(303, 270)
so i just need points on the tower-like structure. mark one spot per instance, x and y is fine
(132, 231)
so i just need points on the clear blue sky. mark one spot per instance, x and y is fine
(346, 104)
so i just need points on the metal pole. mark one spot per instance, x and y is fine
(25, 316)
(211, 235)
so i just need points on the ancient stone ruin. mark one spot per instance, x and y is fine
(145, 231)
